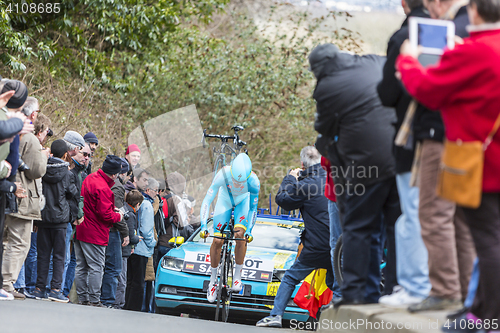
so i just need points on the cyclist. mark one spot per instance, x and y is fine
(238, 188)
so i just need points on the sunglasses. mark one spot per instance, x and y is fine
(86, 154)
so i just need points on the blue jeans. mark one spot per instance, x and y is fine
(412, 265)
(335, 232)
(112, 268)
(30, 264)
(473, 283)
(298, 272)
(70, 273)
(67, 258)
(21, 281)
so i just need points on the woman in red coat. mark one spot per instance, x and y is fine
(465, 87)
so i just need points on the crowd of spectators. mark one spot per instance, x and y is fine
(68, 228)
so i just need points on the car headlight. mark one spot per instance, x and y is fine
(279, 273)
(172, 263)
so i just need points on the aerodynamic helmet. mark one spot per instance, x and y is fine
(241, 167)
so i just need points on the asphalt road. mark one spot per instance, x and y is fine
(32, 316)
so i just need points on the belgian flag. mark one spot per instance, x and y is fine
(313, 293)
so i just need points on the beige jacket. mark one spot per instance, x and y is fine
(31, 153)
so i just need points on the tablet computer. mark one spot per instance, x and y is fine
(433, 36)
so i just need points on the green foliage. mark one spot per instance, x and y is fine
(109, 65)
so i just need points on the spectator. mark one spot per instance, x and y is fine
(303, 189)
(8, 129)
(139, 180)
(413, 269)
(137, 261)
(333, 214)
(133, 201)
(18, 225)
(76, 205)
(151, 194)
(93, 233)
(118, 238)
(15, 104)
(171, 219)
(58, 190)
(464, 87)
(75, 142)
(91, 139)
(359, 134)
(443, 226)
(133, 156)
(42, 128)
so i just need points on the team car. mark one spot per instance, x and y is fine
(183, 274)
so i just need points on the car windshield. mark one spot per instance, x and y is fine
(272, 235)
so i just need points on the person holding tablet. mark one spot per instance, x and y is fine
(465, 86)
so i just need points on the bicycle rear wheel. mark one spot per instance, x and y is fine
(337, 261)
(228, 277)
(220, 286)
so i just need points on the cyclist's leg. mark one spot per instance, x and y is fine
(240, 226)
(241, 223)
(222, 215)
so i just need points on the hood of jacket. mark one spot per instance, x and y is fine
(56, 170)
(176, 183)
(341, 61)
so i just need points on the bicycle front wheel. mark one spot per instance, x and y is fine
(228, 274)
(220, 286)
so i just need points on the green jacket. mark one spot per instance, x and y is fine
(31, 153)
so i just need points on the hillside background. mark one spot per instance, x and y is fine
(110, 66)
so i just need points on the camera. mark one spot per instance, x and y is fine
(22, 166)
(126, 216)
(50, 132)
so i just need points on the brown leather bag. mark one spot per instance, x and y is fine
(461, 174)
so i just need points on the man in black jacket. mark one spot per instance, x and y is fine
(357, 133)
(444, 230)
(413, 269)
(304, 190)
(58, 189)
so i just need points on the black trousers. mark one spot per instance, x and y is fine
(361, 215)
(136, 272)
(50, 241)
(484, 224)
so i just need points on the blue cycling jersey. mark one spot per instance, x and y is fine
(245, 196)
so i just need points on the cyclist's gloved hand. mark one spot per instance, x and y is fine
(204, 232)
(248, 236)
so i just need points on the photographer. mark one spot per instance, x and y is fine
(304, 190)
(19, 225)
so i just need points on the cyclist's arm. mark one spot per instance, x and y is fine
(253, 188)
(211, 193)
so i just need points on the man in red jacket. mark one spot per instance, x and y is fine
(92, 235)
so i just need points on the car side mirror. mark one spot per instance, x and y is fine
(176, 241)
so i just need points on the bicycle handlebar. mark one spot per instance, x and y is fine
(219, 237)
(225, 138)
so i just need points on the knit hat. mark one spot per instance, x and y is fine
(74, 138)
(19, 97)
(125, 165)
(59, 148)
(131, 148)
(112, 165)
(91, 138)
